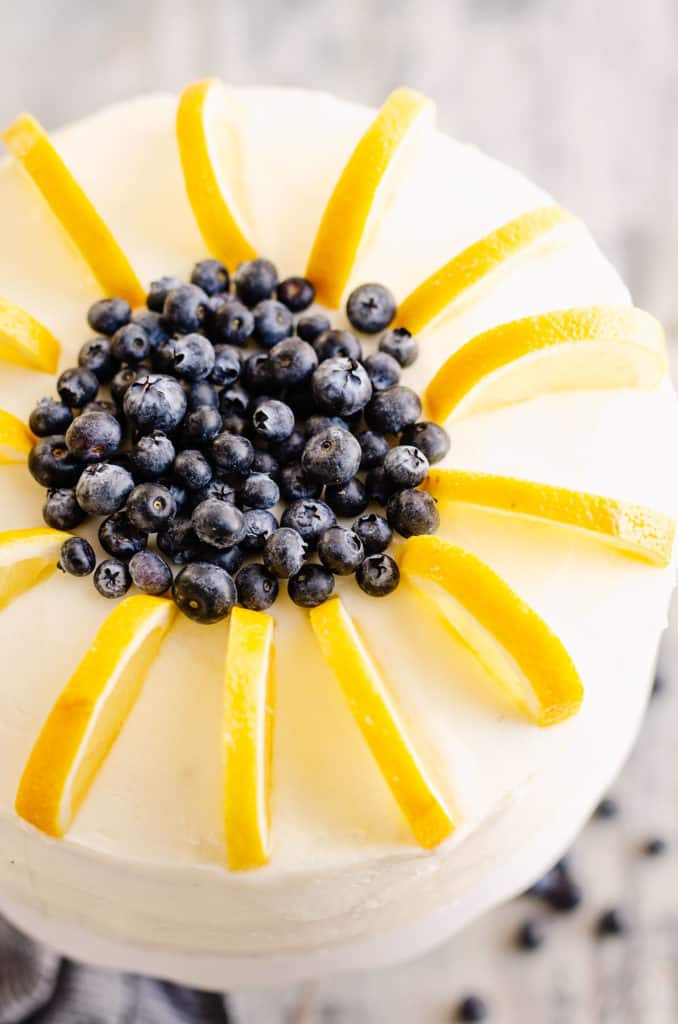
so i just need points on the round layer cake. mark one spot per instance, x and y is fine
(140, 881)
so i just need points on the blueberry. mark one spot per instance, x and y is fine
(383, 371)
(341, 386)
(131, 344)
(374, 532)
(233, 323)
(227, 365)
(310, 517)
(218, 523)
(192, 469)
(52, 464)
(406, 466)
(186, 309)
(203, 592)
(264, 462)
(162, 358)
(96, 355)
(565, 895)
(272, 322)
(429, 438)
(259, 491)
(201, 393)
(179, 542)
(530, 935)
(154, 326)
(340, 550)
(412, 513)
(77, 557)
(284, 552)
(317, 423)
(332, 456)
(94, 436)
(232, 454)
(61, 510)
(290, 449)
(370, 308)
(112, 578)
(255, 280)
(292, 362)
(400, 344)
(295, 483)
(374, 449)
(378, 486)
(391, 411)
(103, 488)
(211, 276)
(311, 327)
(229, 559)
(216, 489)
(260, 524)
(106, 405)
(257, 374)
(159, 290)
(257, 587)
(612, 922)
(311, 586)
(149, 507)
(378, 575)
(152, 456)
(201, 426)
(297, 293)
(77, 386)
(122, 382)
(119, 538)
(155, 402)
(234, 400)
(194, 357)
(331, 344)
(150, 573)
(348, 499)
(178, 492)
(50, 417)
(273, 420)
(471, 1010)
(107, 315)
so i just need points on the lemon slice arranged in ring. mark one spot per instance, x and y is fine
(26, 558)
(16, 440)
(25, 341)
(378, 719)
(364, 189)
(591, 347)
(31, 146)
(248, 738)
(90, 712)
(208, 146)
(635, 529)
(451, 284)
(513, 643)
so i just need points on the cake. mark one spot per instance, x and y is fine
(142, 875)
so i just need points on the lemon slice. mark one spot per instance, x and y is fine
(25, 341)
(365, 187)
(90, 712)
(591, 347)
(16, 440)
(448, 286)
(248, 738)
(31, 145)
(513, 643)
(26, 558)
(208, 146)
(378, 719)
(636, 529)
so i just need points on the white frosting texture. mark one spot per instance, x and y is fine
(144, 862)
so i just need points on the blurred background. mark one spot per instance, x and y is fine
(581, 95)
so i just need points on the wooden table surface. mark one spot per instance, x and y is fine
(582, 95)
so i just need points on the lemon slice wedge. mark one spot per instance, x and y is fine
(90, 712)
(31, 146)
(591, 347)
(450, 285)
(635, 529)
(249, 708)
(377, 717)
(16, 440)
(512, 642)
(365, 187)
(208, 146)
(27, 557)
(25, 341)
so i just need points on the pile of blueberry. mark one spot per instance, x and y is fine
(189, 421)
